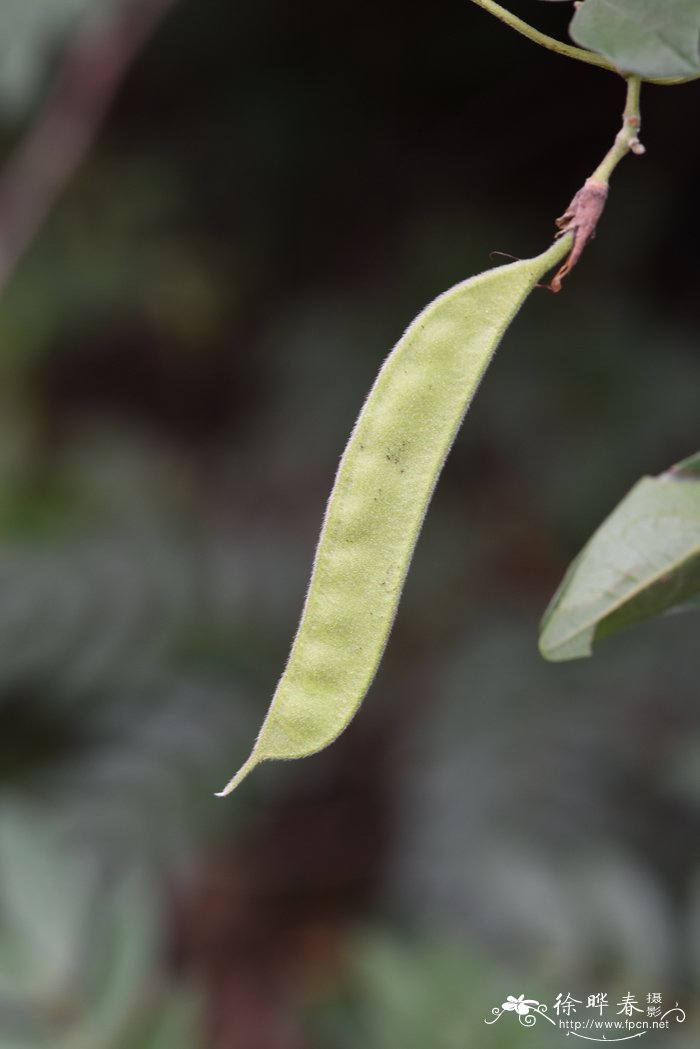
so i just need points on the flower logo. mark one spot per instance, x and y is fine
(520, 1005)
(528, 1010)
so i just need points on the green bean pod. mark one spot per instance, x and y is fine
(382, 489)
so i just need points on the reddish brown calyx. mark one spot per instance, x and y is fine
(580, 218)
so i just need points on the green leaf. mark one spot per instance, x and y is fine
(653, 38)
(45, 895)
(124, 956)
(643, 560)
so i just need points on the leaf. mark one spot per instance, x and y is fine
(123, 957)
(653, 38)
(45, 895)
(30, 31)
(643, 560)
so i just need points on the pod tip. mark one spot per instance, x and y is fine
(240, 775)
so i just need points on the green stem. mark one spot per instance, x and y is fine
(560, 48)
(542, 39)
(627, 138)
(583, 213)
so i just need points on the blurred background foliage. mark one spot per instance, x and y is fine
(275, 193)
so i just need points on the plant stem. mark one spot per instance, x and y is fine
(560, 48)
(627, 138)
(583, 213)
(542, 39)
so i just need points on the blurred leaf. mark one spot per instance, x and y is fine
(417, 992)
(646, 37)
(29, 33)
(45, 895)
(80, 961)
(28, 1042)
(125, 956)
(175, 1025)
(642, 561)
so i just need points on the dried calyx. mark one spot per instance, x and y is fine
(581, 219)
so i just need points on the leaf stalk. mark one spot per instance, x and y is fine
(583, 213)
(550, 42)
(627, 138)
(580, 54)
